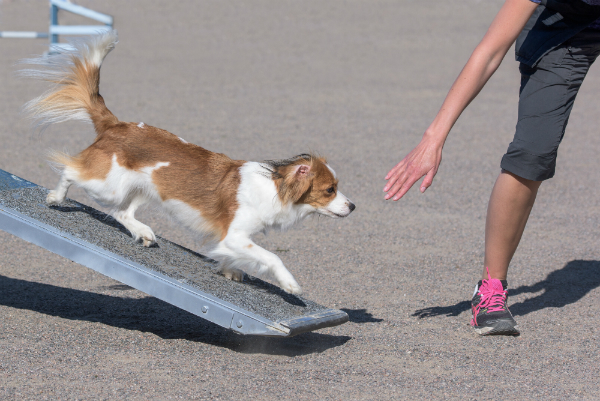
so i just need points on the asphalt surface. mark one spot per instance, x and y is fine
(357, 82)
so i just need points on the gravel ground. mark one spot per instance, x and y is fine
(357, 82)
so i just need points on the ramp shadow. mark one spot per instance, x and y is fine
(152, 315)
(562, 287)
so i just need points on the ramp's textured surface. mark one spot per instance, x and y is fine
(168, 258)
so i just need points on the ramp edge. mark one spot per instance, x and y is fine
(315, 321)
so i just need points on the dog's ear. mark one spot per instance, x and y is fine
(302, 171)
(296, 183)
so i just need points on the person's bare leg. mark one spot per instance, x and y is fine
(508, 210)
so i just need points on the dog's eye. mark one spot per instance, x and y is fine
(330, 190)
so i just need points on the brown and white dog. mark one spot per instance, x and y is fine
(132, 164)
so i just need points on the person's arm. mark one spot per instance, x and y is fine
(425, 159)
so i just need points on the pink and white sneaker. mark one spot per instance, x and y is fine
(490, 313)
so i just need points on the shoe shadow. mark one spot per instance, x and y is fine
(562, 287)
(151, 315)
(451, 310)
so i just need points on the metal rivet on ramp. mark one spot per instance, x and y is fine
(204, 309)
(239, 324)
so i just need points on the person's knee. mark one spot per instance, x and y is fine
(524, 181)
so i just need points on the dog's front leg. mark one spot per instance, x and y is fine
(244, 252)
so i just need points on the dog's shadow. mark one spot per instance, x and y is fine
(562, 287)
(152, 315)
(93, 213)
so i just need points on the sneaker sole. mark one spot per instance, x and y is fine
(500, 328)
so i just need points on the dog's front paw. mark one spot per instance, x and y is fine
(148, 242)
(53, 199)
(233, 274)
(291, 287)
(146, 236)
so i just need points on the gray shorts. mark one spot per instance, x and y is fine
(546, 99)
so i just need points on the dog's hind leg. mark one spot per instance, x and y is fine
(139, 231)
(231, 272)
(57, 195)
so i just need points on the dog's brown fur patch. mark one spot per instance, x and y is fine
(204, 180)
(304, 179)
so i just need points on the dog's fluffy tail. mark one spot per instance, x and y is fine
(75, 73)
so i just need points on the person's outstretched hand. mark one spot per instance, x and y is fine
(423, 160)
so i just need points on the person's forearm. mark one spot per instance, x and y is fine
(467, 86)
(482, 64)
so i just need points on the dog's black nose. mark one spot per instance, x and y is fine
(351, 206)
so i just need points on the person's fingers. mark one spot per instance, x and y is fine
(428, 180)
(393, 186)
(402, 186)
(393, 176)
(391, 181)
(411, 169)
(394, 170)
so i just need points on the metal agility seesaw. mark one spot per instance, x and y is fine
(168, 271)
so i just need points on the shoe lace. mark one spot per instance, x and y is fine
(493, 295)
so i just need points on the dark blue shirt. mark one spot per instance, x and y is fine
(593, 25)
